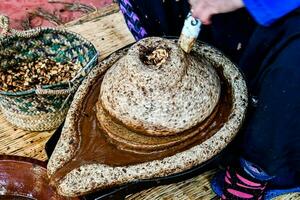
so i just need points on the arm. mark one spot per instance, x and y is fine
(265, 12)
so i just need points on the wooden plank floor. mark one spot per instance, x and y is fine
(108, 32)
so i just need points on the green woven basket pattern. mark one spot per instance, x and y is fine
(58, 45)
(33, 104)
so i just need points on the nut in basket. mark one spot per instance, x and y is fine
(40, 70)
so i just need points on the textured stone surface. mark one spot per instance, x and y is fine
(96, 176)
(160, 100)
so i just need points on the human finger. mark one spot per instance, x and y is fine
(203, 13)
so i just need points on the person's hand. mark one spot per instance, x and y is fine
(204, 9)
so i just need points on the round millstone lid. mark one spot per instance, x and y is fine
(157, 89)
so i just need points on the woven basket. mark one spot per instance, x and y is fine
(45, 107)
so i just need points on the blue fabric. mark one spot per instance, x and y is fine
(254, 171)
(217, 183)
(268, 11)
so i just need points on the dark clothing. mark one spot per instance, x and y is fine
(158, 18)
(271, 63)
(270, 60)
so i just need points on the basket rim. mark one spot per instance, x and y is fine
(40, 30)
(32, 91)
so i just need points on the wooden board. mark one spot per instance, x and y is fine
(108, 32)
(106, 29)
(14, 141)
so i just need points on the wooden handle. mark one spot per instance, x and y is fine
(6, 30)
(189, 33)
(61, 92)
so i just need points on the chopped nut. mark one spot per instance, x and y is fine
(157, 57)
(26, 76)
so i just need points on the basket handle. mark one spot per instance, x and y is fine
(61, 92)
(6, 30)
(4, 24)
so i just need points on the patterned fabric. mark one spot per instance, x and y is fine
(218, 185)
(132, 20)
(239, 185)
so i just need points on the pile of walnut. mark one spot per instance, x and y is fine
(27, 76)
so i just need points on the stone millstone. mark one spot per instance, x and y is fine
(148, 111)
(157, 89)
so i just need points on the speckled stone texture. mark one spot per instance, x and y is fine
(160, 100)
(95, 176)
